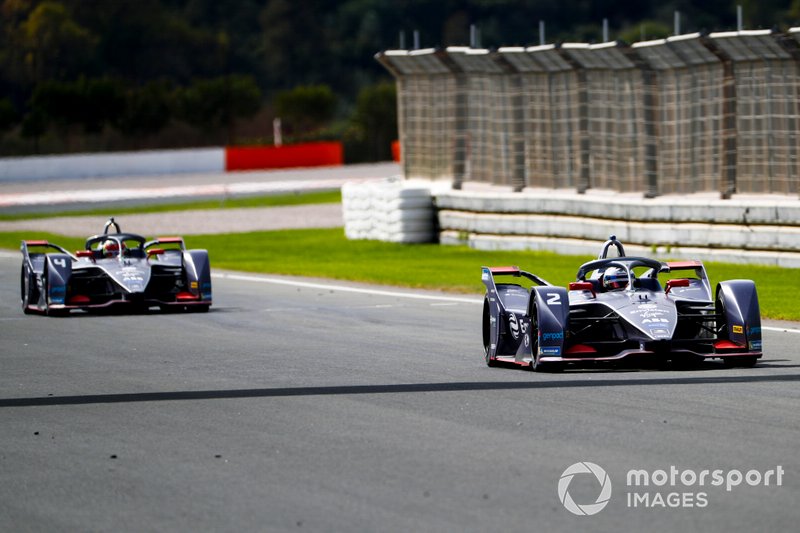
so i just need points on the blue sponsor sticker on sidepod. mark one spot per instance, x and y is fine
(559, 335)
(57, 294)
(755, 345)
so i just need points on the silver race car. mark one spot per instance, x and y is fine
(619, 311)
(114, 270)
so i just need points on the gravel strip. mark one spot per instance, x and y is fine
(196, 222)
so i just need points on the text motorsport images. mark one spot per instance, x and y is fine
(673, 488)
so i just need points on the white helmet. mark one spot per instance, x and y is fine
(615, 279)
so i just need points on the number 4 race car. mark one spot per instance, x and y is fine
(617, 311)
(114, 270)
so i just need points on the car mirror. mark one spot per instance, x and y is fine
(677, 283)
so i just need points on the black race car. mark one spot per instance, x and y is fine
(114, 270)
(618, 311)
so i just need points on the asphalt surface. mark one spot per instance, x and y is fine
(309, 408)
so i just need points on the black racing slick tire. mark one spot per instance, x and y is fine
(25, 290)
(487, 335)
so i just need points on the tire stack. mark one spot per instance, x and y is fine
(389, 210)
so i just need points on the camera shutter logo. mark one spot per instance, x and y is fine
(584, 468)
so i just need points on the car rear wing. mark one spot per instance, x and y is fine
(166, 240)
(491, 272)
(699, 270)
(42, 244)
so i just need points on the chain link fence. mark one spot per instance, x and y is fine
(691, 113)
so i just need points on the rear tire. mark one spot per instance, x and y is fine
(25, 291)
(487, 335)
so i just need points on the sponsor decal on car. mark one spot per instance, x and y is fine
(738, 329)
(550, 350)
(558, 335)
(513, 325)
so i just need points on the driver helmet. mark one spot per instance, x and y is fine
(111, 248)
(615, 279)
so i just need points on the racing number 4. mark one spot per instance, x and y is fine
(60, 261)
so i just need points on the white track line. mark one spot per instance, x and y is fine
(377, 292)
(781, 330)
(343, 288)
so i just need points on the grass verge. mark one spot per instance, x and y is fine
(322, 197)
(328, 254)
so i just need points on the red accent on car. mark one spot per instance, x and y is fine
(682, 282)
(582, 286)
(155, 251)
(578, 349)
(514, 270)
(170, 240)
(186, 296)
(727, 345)
(84, 253)
(37, 243)
(684, 265)
(78, 299)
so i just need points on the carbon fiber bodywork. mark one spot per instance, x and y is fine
(641, 323)
(114, 270)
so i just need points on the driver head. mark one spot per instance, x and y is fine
(614, 279)
(111, 249)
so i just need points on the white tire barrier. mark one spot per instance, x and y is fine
(390, 210)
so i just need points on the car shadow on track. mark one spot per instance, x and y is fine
(401, 388)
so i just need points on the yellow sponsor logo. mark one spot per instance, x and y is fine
(738, 329)
(194, 286)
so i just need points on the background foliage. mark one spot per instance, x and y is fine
(118, 74)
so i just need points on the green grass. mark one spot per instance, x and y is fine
(328, 254)
(324, 197)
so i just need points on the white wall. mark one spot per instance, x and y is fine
(149, 162)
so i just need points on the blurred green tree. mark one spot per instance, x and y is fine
(306, 108)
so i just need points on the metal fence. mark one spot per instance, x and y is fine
(690, 113)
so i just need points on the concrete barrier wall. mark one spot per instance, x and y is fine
(150, 162)
(758, 230)
(164, 162)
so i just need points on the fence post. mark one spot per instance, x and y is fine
(728, 181)
(650, 103)
(584, 140)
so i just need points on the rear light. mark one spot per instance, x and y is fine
(579, 349)
(186, 296)
(727, 345)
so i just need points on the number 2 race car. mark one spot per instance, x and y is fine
(617, 311)
(114, 270)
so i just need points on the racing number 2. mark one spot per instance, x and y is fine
(554, 299)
